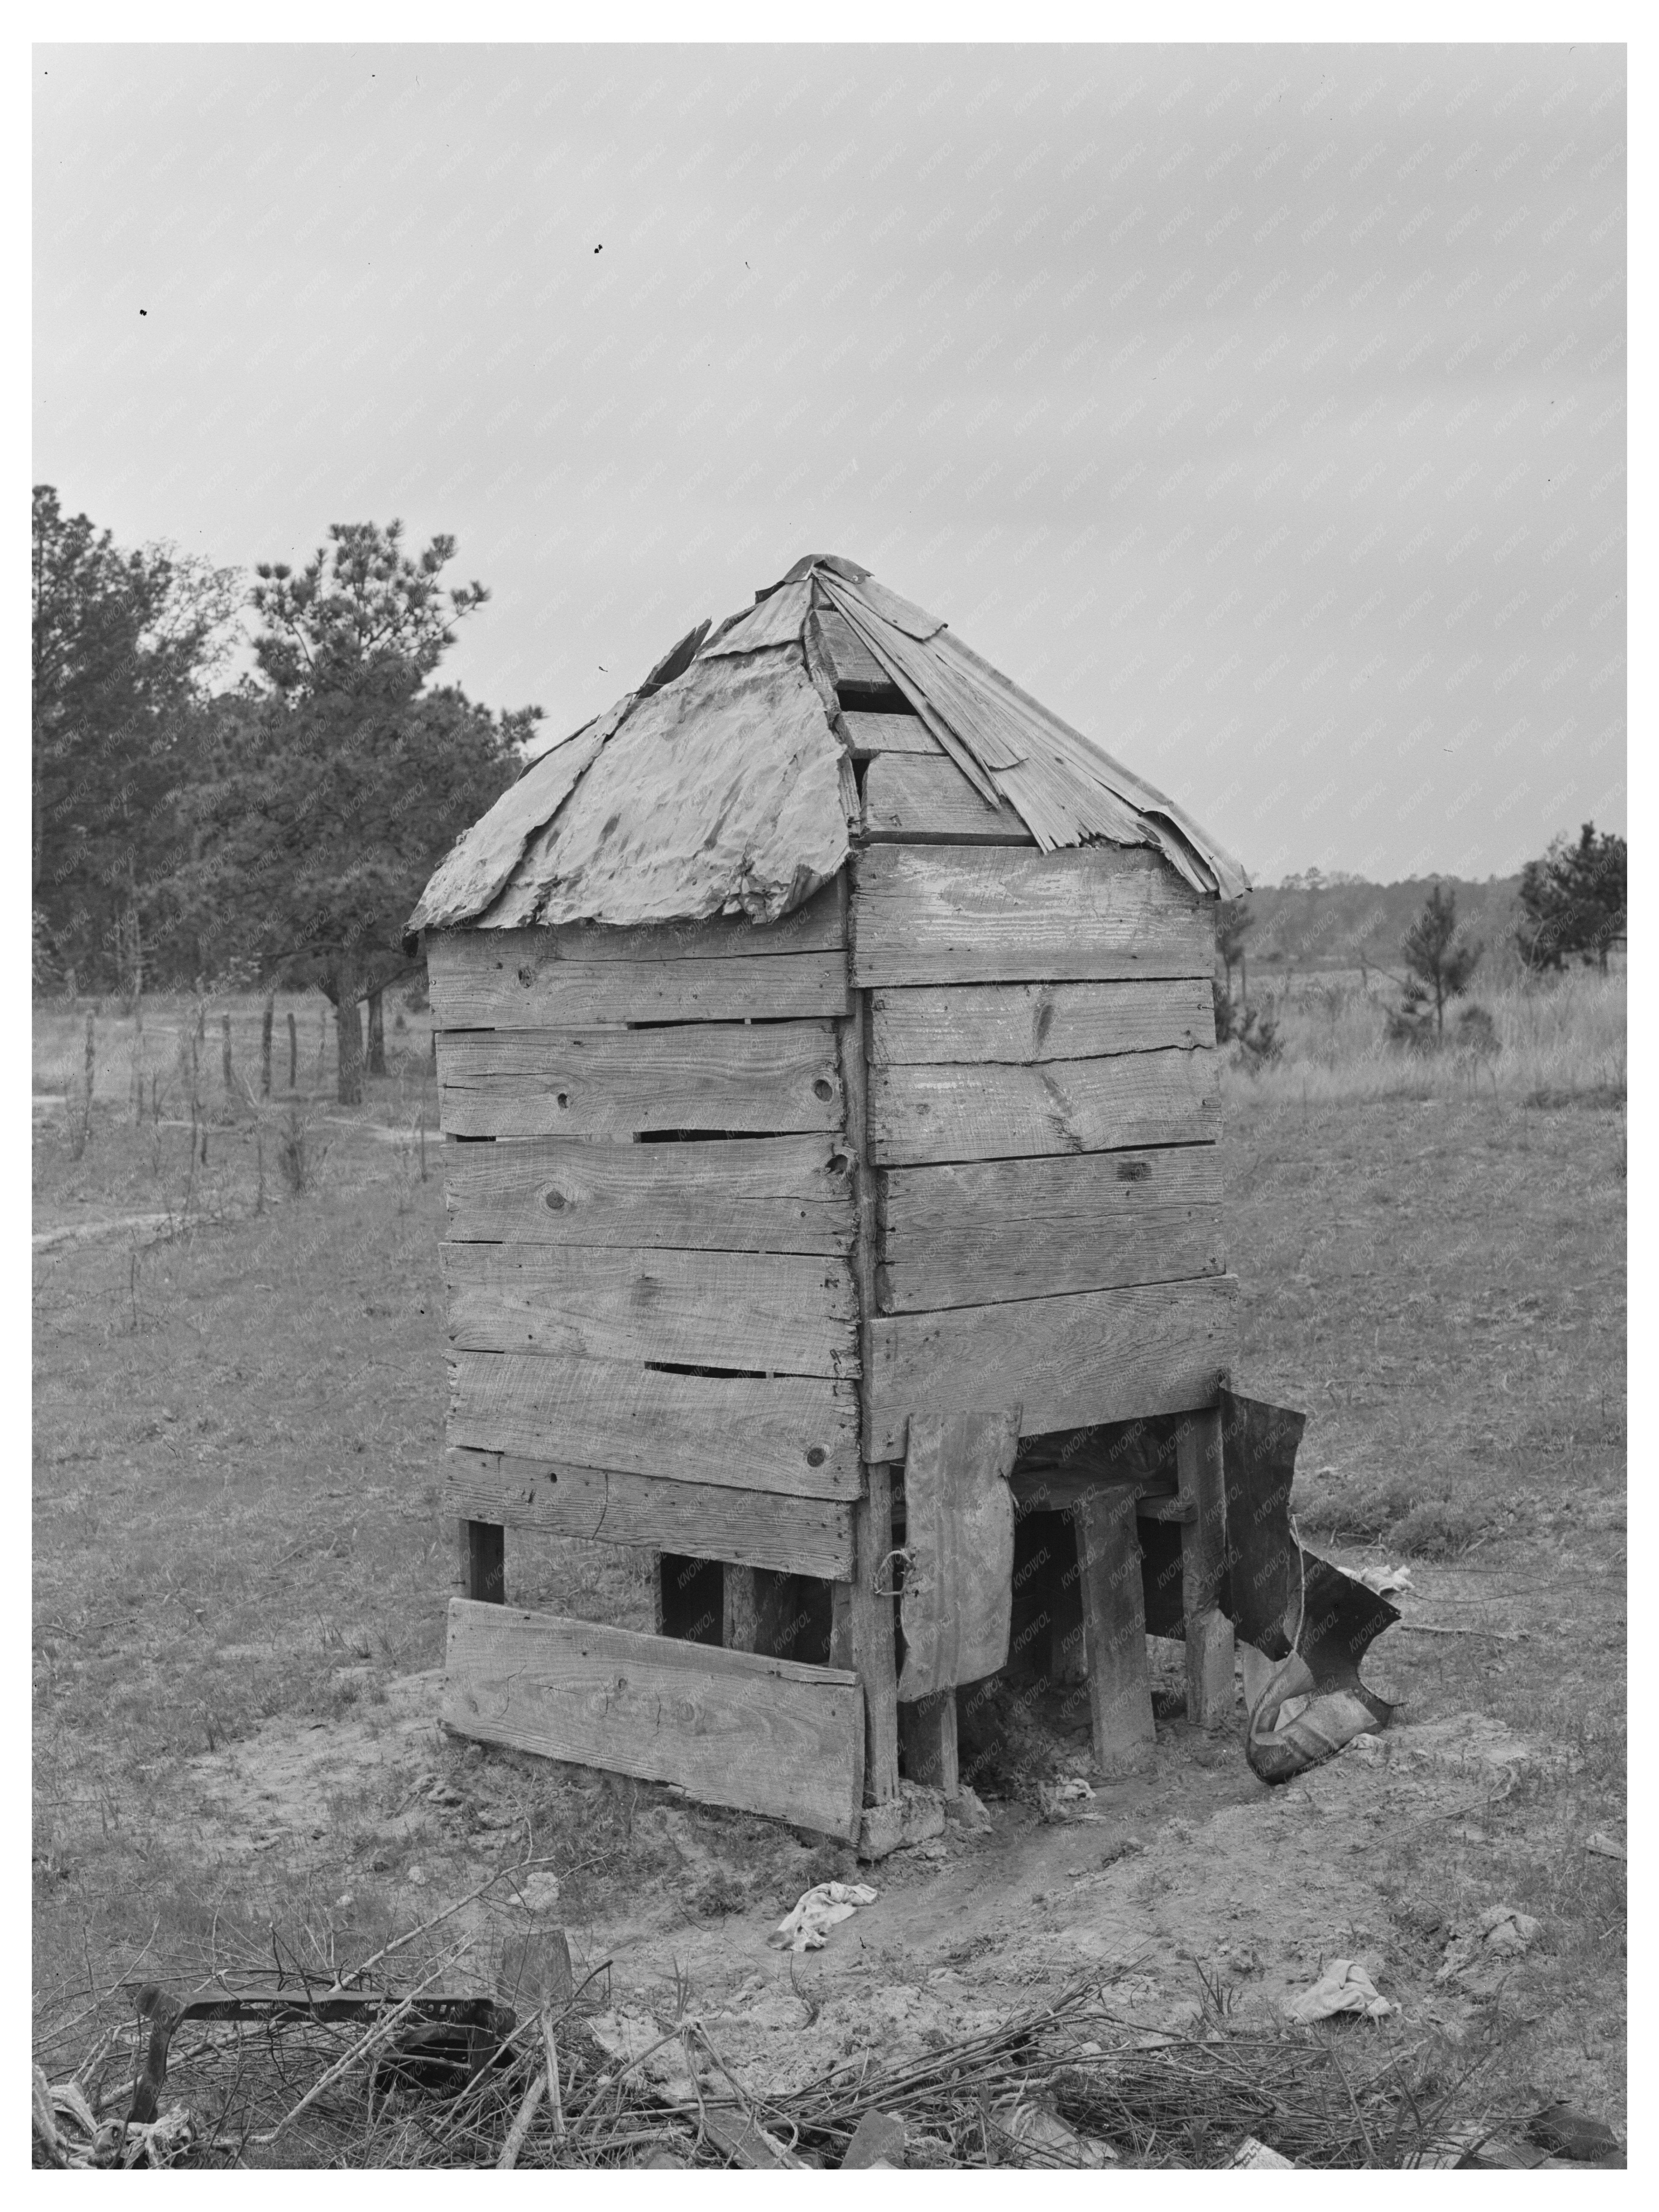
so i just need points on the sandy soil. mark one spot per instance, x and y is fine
(1197, 1866)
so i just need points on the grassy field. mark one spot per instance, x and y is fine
(1555, 1039)
(238, 1417)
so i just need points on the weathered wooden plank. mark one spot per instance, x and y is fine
(784, 1313)
(1070, 1361)
(999, 1111)
(728, 1727)
(1114, 1631)
(1204, 1551)
(505, 979)
(871, 736)
(1034, 1022)
(928, 800)
(980, 1231)
(754, 1194)
(708, 1520)
(870, 1610)
(855, 667)
(923, 914)
(796, 1433)
(779, 1076)
(959, 1536)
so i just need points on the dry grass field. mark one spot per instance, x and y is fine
(238, 1418)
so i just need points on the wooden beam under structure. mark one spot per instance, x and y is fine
(1114, 1629)
(1209, 1633)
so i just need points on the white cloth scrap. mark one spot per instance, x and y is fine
(1343, 1987)
(806, 1928)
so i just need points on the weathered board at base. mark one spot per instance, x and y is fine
(765, 1736)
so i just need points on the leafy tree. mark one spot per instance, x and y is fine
(122, 645)
(335, 789)
(1573, 901)
(1441, 965)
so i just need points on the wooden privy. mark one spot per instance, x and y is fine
(825, 1038)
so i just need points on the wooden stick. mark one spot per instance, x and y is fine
(1491, 1635)
(554, 2096)
(520, 2127)
(376, 2035)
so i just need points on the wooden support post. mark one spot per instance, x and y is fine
(483, 1561)
(927, 1740)
(1203, 1560)
(871, 1614)
(873, 1657)
(1114, 1628)
(741, 1614)
(267, 1020)
(840, 1624)
(293, 1053)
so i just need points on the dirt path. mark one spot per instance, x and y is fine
(72, 1233)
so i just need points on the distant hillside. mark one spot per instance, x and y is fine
(1331, 924)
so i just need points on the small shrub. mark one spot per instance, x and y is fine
(1411, 1023)
(1477, 1033)
(299, 1156)
(1256, 1034)
(720, 1894)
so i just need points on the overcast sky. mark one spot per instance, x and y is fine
(1261, 408)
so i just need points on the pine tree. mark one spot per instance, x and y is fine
(1573, 901)
(1441, 964)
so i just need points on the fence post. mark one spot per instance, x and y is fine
(137, 1060)
(91, 1072)
(293, 1052)
(266, 1021)
(225, 1052)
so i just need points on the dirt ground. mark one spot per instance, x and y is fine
(1196, 1873)
(241, 1568)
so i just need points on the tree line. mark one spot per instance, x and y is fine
(272, 830)
(1573, 908)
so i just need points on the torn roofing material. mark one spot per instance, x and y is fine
(724, 785)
